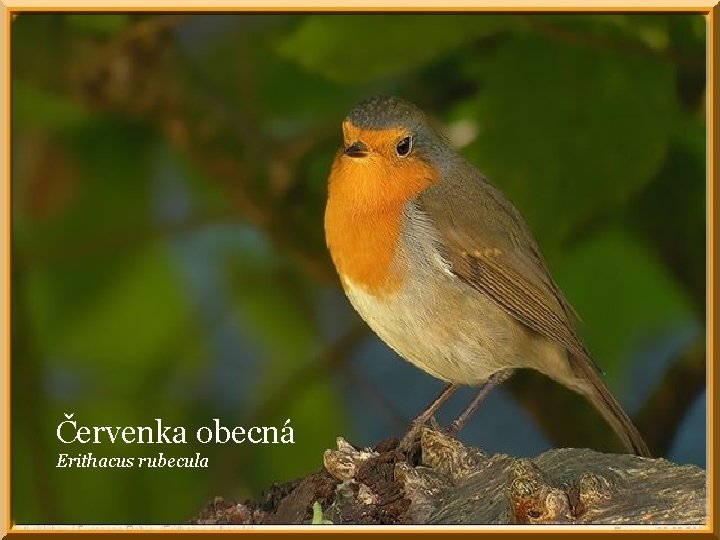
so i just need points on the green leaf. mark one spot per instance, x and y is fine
(625, 297)
(318, 518)
(269, 305)
(362, 48)
(39, 108)
(613, 31)
(100, 24)
(115, 330)
(570, 131)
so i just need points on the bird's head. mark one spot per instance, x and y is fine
(387, 155)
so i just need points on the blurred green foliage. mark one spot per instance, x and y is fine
(167, 195)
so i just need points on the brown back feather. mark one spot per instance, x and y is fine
(489, 246)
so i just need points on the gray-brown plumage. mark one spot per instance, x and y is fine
(491, 248)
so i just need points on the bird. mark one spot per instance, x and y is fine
(444, 269)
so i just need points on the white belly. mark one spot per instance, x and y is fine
(455, 335)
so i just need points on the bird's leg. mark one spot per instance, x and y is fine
(417, 424)
(494, 380)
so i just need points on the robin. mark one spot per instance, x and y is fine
(444, 269)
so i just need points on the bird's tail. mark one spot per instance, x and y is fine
(606, 404)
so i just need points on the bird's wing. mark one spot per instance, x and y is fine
(489, 246)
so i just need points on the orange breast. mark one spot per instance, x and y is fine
(363, 218)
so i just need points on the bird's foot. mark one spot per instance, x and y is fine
(454, 428)
(410, 443)
(411, 439)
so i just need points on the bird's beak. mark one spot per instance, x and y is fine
(356, 149)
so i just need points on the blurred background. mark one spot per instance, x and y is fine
(168, 260)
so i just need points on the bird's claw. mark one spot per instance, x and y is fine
(410, 439)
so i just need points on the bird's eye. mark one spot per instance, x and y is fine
(404, 146)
